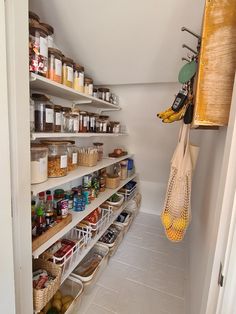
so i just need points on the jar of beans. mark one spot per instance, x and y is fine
(57, 159)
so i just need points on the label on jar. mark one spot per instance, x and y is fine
(58, 67)
(43, 47)
(104, 128)
(63, 161)
(64, 208)
(81, 79)
(76, 125)
(50, 41)
(43, 167)
(90, 89)
(85, 119)
(49, 115)
(69, 74)
(74, 158)
(58, 118)
(107, 97)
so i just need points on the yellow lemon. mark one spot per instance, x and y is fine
(174, 235)
(166, 220)
(57, 295)
(180, 224)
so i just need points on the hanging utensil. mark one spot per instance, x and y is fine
(187, 72)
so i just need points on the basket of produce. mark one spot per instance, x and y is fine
(46, 281)
(112, 181)
(88, 157)
(116, 200)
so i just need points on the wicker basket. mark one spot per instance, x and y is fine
(42, 296)
(112, 182)
(88, 160)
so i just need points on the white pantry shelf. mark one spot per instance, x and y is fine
(38, 135)
(78, 216)
(50, 87)
(75, 174)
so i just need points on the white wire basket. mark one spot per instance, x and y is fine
(129, 193)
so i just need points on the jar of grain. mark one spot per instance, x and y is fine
(78, 78)
(50, 38)
(57, 159)
(67, 72)
(88, 86)
(39, 164)
(72, 156)
(99, 147)
(55, 65)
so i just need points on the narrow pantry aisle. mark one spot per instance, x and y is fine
(146, 275)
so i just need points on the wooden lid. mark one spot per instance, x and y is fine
(88, 80)
(48, 27)
(34, 16)
(55, 51)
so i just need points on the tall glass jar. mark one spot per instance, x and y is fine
(99, 147)
(88, 86)
(67, 72)
(75, 118)
(57, 159)
(38, 49)
(78, 78)
(92, 122)
(43, 114)
(65, 119)
(102, 124)
(50, 38)
(54, 65)
(57, 118)
(72, 156)
(83, 121)
(39, 164)
(31, 115)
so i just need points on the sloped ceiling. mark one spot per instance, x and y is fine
(125, 41)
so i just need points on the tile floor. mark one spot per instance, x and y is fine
(146, 275)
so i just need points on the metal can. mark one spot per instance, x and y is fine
(87, 181)
(87, 195)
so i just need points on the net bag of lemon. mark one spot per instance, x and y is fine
(176, 214)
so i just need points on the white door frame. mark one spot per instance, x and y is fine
(227, 190)
(7, 287)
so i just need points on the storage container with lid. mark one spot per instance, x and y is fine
(57, 158)
(78, 78)
(95, 92)
(101, 125)
(92, 122)
(38, 49)
(39, 164)
(57, 118)
(33, 18)
(67, 72)
(31, 115)
(50, 38)
(72, 156)
(55, 65)
(66, 126)
(83, 121)
(43, 114)
(88, 86)
(99, 147)
(115, 127)
(104, 93)
(74, 116)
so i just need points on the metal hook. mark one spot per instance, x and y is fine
(183, 29)
(185, 59)
(185, 46)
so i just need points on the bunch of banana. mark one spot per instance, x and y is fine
(165, 114)
(176, 116)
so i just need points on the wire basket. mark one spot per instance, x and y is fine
(42, 296)
(129, 193)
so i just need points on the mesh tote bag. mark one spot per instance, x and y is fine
(176, 214)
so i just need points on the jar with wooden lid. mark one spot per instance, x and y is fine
(95, 92)
(78, 78)
(75, 119)
(33, 18)
(88, 86)
(67, 72)
(39, 164)
(50, 38)
(65, 119)
(102, 124)
(83, 121)
(43, 114)
(55, 65)
(57, 118)
(99, 147)
(104, 93)
(115, 127)
(92, 122)
(38, 49)
(72, 156)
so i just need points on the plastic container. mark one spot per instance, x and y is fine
(67, 72)
(43, 114)
(38, 49)
(50, 37)
(78, 78)
(118, 203)
(57, 159)
(88, 86)
(127, 222)
(54, 65)
(99, 147)
(39, 164)
(72, 157)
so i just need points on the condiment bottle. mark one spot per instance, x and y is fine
(33, 218)
(49, 215)
(58, 197)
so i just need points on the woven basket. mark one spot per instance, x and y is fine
(112, 182)
(88, 160)
(42, 296)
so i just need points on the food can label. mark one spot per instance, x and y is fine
(58, 67)
(49, 115)
(69, 74)
(58, 118)
(74, 158)
(43, 44)
(64, 207)
(63, 161)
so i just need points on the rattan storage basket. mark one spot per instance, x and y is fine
(112, 182)
(42, 296)
(88, 159)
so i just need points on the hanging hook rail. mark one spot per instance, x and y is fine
(187, 47)
(185, 29)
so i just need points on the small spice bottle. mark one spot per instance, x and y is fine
(57, 118)
(55, 65)
(83, 120)
(50, 38)
(88, 86)
(67, 72)
(95, 92)
(78, 78)
(92, 123)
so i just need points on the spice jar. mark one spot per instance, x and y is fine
(88, 86)
(104, 94)
(57, 159)
(92, 122)
(83, 121)
(115, 127)
(57, 118)
(95, 92)
(54, 65)
(124, 169)
(65, 119)
(99, 147)
(33, 18)
(39, 164)
(102, 124)
(50, 38)
(38, 49)
(67, 72)
(43, 114)
(78, 78)
(75, 121)
(72, 156)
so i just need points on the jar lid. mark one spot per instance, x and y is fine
(55, 51)
(41, 97)
(38, 148)
(79, 67)
(58, 107)
(55, 143)
(49, 28)
(37, 26)
(83, 112)
(98, 144)
(67, 60)
(58, 192)
(95, 90)
(103, 90)
(88, 80)
(34, 16)
(66, 109)
(104, 117)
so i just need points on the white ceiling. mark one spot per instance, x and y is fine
(125, 41)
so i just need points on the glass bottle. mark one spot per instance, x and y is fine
(49, 215)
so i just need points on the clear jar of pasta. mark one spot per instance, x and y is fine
(78, 78)
(72, 156)
(55, 65)
(67, 72)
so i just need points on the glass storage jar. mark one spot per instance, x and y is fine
(43, 114)
(55, 65)
(99, 147)
(83, 119)
(65, 119)
(102, 124)
(104, 93)
(95, 92)
(57, 159)
(78, 78)
(39, 164)
(31, 115)
(57, 118)
(50, 38)
(33, 18)
(72, 156)
(88, 86)
(115, 127)
(75, 118)
(124, 169)
(92, 122)
(38, 49)
(67, 72)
